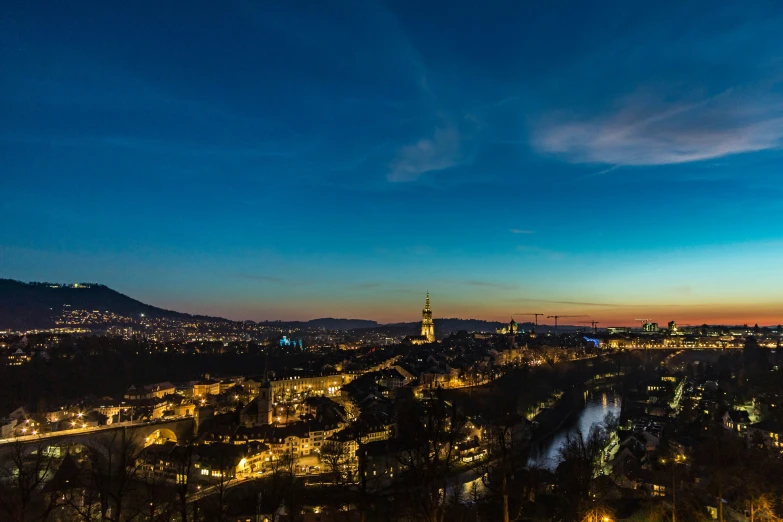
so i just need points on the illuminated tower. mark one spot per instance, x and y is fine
(265, 403)
(264, 399)
(427, 326)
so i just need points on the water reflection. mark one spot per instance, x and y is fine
(597, 405)
(546, 454)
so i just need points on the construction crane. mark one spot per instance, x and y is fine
(594, 323)
(531, 313)
(556, 317)
(643, 321)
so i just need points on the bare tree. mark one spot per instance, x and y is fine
(334, 454)
(611, 423)
(24, 469)
(580, 463)
(183, 469)
(760, 507)
(366, 486)
(113, 467)
(155, 499)
(597, 514)
(221, 467)
(77, 498)
(275, 486)
(507, 453)
(80, 504)
(293, 493)
(428, 433)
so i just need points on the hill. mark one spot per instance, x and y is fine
(25, 306)
(28, 306)
(341, 324)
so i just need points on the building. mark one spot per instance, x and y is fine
(650, 327)
(18, 358)
(298, 439)
(205, 388)
(380, 461)
(7, 427)
(260, 410)
(736, 420)
(299, 386)
(769, 432)
(510, 355)
(618, 330)
(150, 391)
(427, 325)
(511, 329)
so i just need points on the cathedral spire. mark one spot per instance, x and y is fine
(427, 325)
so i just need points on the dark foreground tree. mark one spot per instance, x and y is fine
(428, 432)
(580, 463)
(24, 469)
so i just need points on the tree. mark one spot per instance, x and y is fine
(760, 507)
(334, 454)
(597, 514)
(365, 485)
(222, 464)
(580, 463)
(154, 499)
(77, 498)
(184, 465)
(22, 476)
(611, 423)
(650, 512)
(113, 470)
(276, 484)
(507, 454)
(427, 433)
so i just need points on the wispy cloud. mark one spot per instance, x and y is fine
(439, 152)
(520, 231)
(577, 303)
(644, 130)
(612, 305)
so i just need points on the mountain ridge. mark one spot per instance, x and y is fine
(37, 305)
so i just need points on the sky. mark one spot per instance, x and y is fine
(294, 160)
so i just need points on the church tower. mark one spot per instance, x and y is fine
(265, 403)
(427, 326)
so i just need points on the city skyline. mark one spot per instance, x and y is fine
(614, 161)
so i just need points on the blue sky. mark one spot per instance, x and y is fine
(312, 159)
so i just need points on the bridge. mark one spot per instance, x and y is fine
(140, 433)
(682, 347)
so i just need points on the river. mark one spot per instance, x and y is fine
(597, 403)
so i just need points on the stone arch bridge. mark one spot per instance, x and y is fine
(104, 438)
